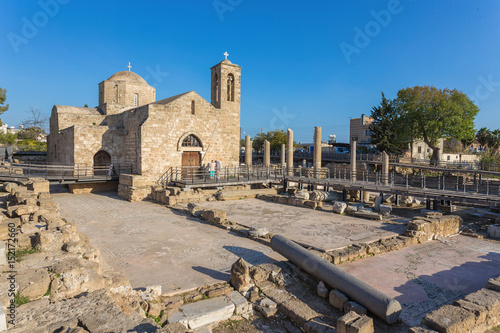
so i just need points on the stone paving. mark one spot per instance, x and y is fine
(426, 276)
(321, 229)
(154, 245)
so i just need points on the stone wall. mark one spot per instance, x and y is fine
(59, 282)
(148, 137)
(81, 188)
(476, 312)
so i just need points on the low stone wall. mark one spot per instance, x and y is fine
(476, 312)
(81, 188)
(433, 225)
(134, 187)
(292, 201)
(58, 281)
(174, 195)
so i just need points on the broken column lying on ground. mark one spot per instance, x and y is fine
(386, 308)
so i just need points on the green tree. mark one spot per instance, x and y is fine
(29, 133)
(430, 114)
(384, 128)
(482, 136)
(494, 142)
(276, 138)
(3, 96)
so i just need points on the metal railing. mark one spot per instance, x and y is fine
(200, 175)
(62, 172)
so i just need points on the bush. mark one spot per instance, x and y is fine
(31, 145)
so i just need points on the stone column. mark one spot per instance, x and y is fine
(248, 151)
(354, 146)
(385, 168)
(289, 154)
(267, 154)
(317, 152)
(283, 155)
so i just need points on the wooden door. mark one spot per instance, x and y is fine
(190, 163)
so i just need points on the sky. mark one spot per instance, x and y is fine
(304, 64)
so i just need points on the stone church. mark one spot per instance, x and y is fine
(130, 127)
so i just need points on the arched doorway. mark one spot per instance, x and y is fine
(191, 156)
(102, 160)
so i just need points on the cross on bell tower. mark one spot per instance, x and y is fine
(129, 67)
(226, 54)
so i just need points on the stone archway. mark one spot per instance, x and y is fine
(102, 160)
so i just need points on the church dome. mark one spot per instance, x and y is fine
(127, 76)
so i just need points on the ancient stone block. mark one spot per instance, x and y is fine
(194, 209)
(421, 329)
(240, 303)
(38, 185)
(494, 230)
(208, 311)
(362, 325)
(493, 284)
(214, 215)
(321, 290)
(450, 319)
(356, 307)
(319, 325)
(345, 321)
(33, 283)
(10, 187)
(267, 307)
(367, 215)
(302, 194)
(479, 311)
(240, 275)
(385, 210)
(339, 207)
(298, 311)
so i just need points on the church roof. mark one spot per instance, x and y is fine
(127, 76)
(170, 99)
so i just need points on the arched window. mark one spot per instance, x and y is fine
(136, 99)
(230, 87)
(191, 141)
(193, 107)
(216, 79)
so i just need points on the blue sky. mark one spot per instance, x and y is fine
(304, 64)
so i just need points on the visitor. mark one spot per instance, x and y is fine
(217, 169)
(211, 168)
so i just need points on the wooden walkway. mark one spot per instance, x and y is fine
(61, 174)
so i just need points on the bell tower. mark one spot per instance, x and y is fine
(226, 85)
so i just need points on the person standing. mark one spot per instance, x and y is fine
(211, 168)
(217, 169)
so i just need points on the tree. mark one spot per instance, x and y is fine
(36, 118)
(430, 114)
(493, 141)
(276, 138)
(3, 96)
(482, 136)
(29, 133)
(384, 128)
